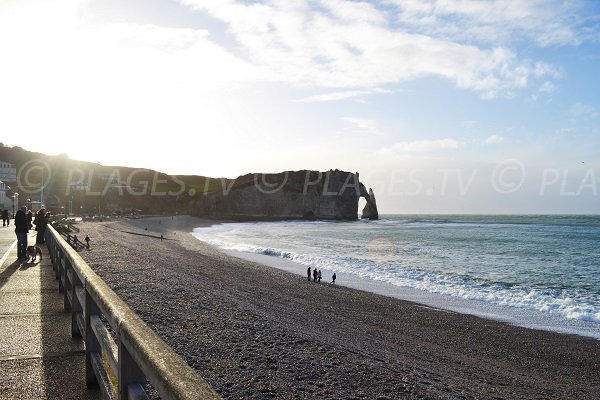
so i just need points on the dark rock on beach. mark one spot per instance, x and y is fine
(256, 332)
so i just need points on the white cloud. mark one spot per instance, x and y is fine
(421, 146)
(355, 44)
(362, 125)
(469, 124)
(343, 95)
(566, 131)
(581, 111)
(547, 87)
(547, 22)
(493, 139)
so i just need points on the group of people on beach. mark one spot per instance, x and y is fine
(316, 275)
(24, 221)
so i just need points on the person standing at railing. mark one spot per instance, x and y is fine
(21, 230)
(40, 225)
(30, 219)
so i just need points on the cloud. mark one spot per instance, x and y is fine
(468, 124)
(422, 146)
(493, 139)
(357, 44)
(344, 95)
(547, 87)
(546, 22)
(362, 125)
(581, 111)
(566, 131)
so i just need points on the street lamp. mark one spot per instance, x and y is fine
(14, 195)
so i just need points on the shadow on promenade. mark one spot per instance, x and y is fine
(38, 357)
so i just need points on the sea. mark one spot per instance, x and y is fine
(537, 271)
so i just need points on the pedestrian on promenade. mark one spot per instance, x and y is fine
(308, 273)
(21, 230)
(333, 278)
(315, 273)
(40, 225)
(30, 219)
(5, 219)
(319, 276)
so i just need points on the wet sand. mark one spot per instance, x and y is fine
(257, 332)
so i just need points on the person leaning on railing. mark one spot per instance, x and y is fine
(40, 225)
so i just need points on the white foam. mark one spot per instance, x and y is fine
(556, 310)
(516, 316)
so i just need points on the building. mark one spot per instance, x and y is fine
(8, 180)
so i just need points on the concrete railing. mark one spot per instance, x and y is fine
(137, 355)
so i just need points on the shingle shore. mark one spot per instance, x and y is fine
(257, 332)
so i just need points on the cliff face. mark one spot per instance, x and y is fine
(370, 209)
(331, 195)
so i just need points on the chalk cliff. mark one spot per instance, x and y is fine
(370, 209)
(330, 195)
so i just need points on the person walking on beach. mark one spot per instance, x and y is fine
(315, 275)
(21, 230)
(333, 278)
(308, 273)
(319, 277)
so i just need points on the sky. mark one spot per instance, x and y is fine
(442, 106)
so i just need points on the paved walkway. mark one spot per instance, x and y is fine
(38, 357)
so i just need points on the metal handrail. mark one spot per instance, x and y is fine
(138, 354)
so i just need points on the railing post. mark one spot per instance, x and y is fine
(59, 271)
(129, 372)
(76, 307)
(67, 286)
(92, 345)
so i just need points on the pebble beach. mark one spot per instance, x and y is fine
(257, 332)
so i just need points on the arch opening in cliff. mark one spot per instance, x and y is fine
(369, 211)
(362, 202)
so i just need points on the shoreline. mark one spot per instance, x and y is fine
(256, 331)
(517, 316)
(525, 318)
(521, 317)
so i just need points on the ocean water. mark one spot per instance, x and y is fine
(549, 265)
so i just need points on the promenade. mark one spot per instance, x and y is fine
(38, 357)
